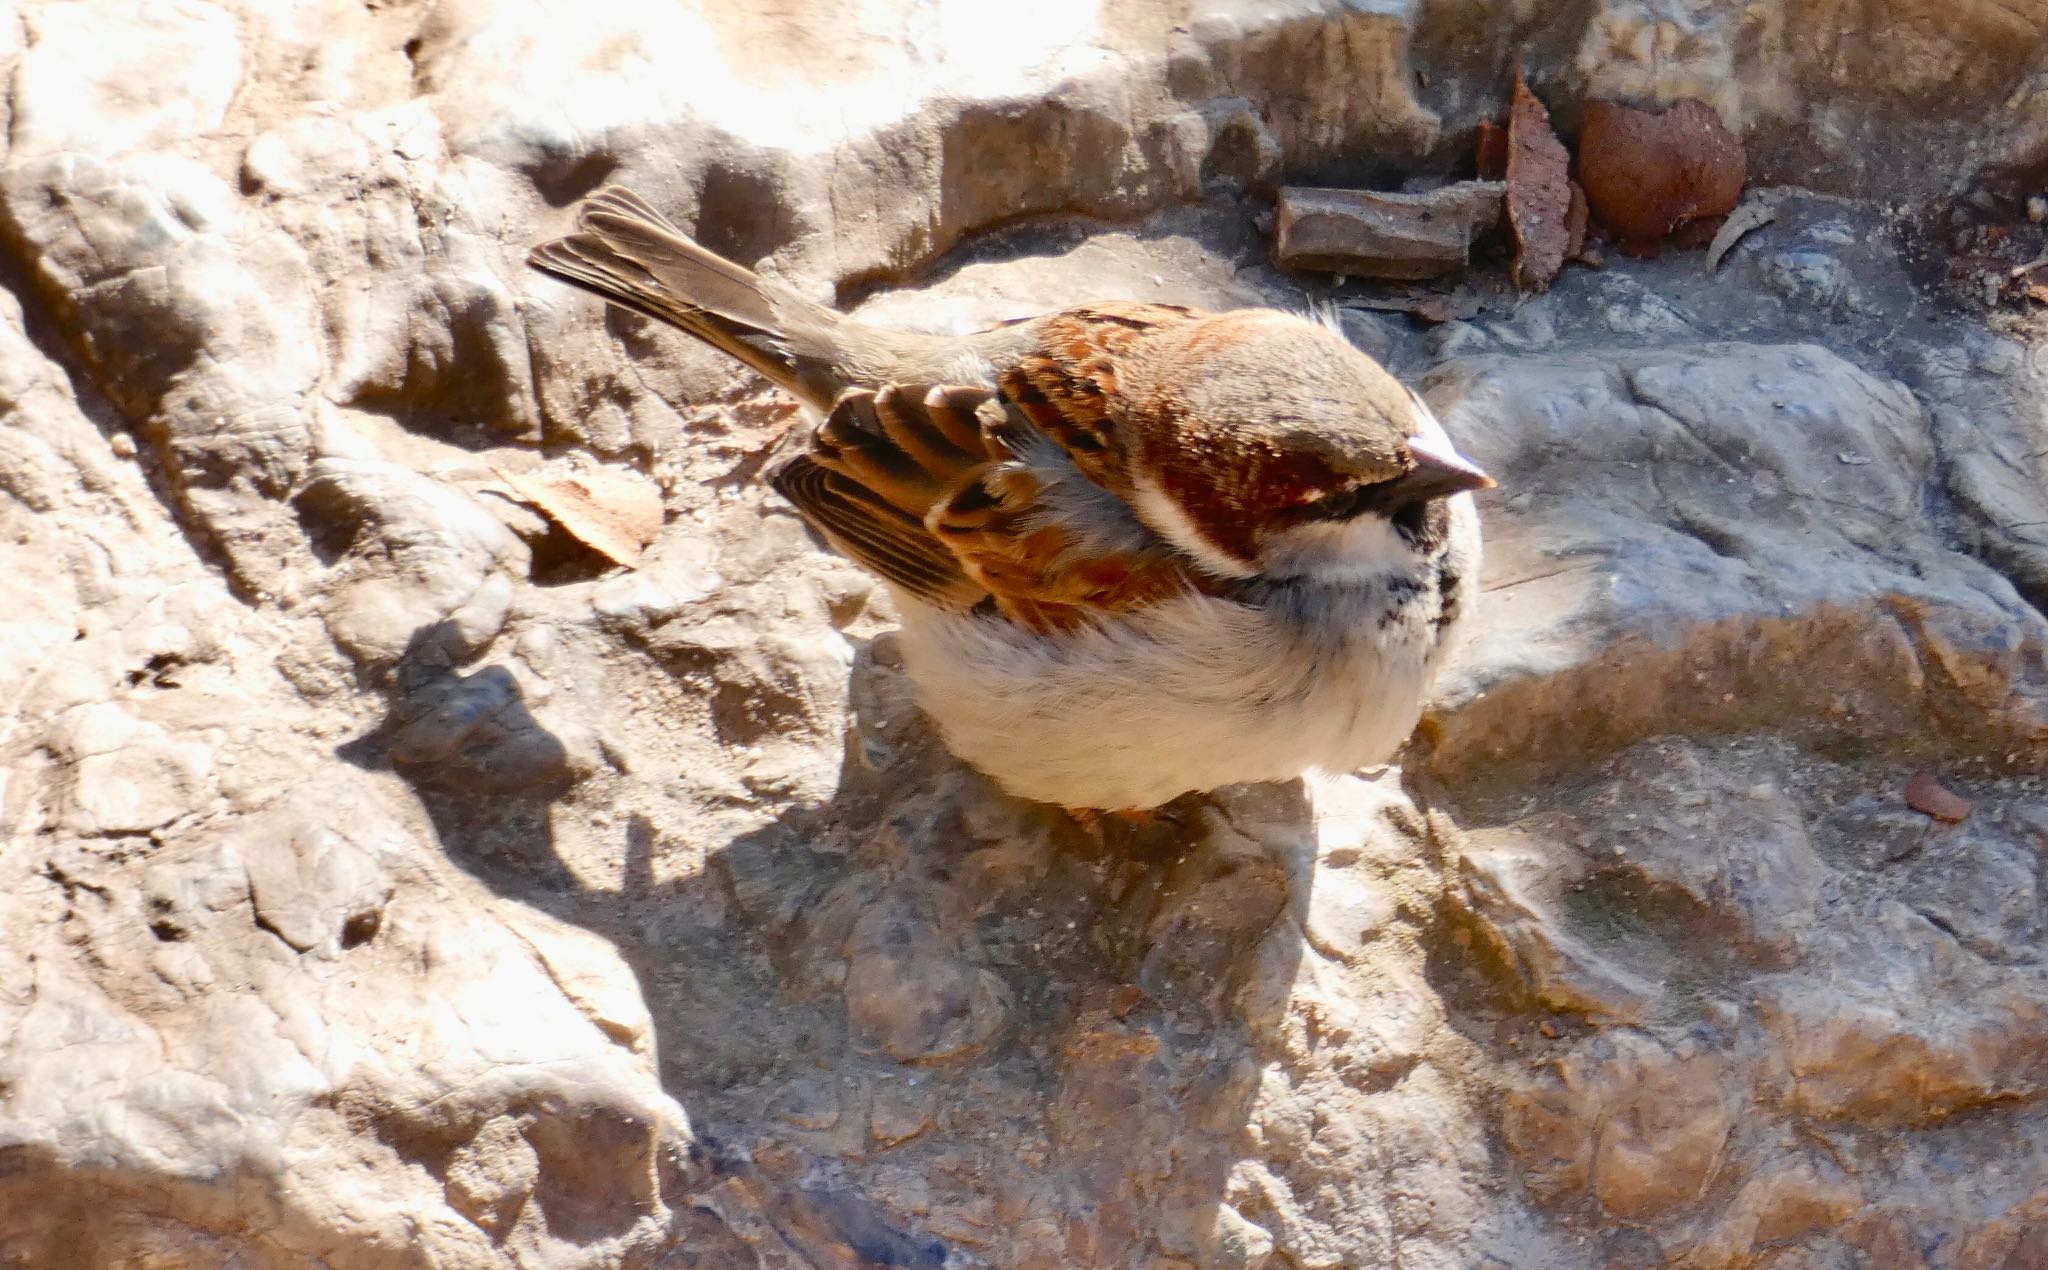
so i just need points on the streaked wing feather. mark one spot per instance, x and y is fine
(1041, 570)
(937, 430)
(880, 537)
(960, 494)
(879, 440)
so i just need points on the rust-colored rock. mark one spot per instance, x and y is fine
(1647, 173)
(1928, 796)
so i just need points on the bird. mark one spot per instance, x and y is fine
(1140, 551)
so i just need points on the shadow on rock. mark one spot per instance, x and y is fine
(484, 768)
(920, 1005)
(1042, 1050)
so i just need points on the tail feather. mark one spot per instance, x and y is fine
(634, 257)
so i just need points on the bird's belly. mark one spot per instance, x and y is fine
(1191, 694)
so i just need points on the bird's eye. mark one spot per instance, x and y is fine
(1340, 504)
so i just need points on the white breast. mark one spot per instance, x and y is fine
(1192, 693)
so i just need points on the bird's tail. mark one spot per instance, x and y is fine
(634, 257)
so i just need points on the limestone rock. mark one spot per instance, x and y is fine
(385, 882)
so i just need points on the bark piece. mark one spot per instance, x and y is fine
(1383, 235)
(1539, 193)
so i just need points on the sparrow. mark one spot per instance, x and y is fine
(1139, 551)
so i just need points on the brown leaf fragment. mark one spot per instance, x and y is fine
(1493, 151)
(613, 513)
(1575, 218)
(1754, 214)
(1539, 193)
(1930, 797)
(1648, 173)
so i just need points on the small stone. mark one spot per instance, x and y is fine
(912, 997)
(314, 888)
(1239, 1243)
(1928, 796)
(899, 1115)
(615, 512)
(491, 1175)
(2037, 208)
(807, 1104)
(1806, 277)
(449, 711)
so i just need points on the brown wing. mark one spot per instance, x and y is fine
(1065, 386)
(1041, 571)
(867, 529)
(947, 491)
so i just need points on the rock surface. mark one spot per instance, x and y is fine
(387, 878)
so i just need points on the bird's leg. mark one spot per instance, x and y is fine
(1144, 833)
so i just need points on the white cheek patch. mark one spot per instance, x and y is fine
(1166, 518)
(1359, 549)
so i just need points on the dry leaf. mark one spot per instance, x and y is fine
(613, 513)
(1648, 173)
(1539, 194)
(1755, 214)
(1575, 218)
(1930, 797)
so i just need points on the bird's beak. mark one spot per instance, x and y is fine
(1441, 471)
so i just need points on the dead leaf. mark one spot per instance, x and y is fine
(1539, 193)
(613, 513)
(1647, 173)
(1930, 797)
(1755, 214)
(1575, 223)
